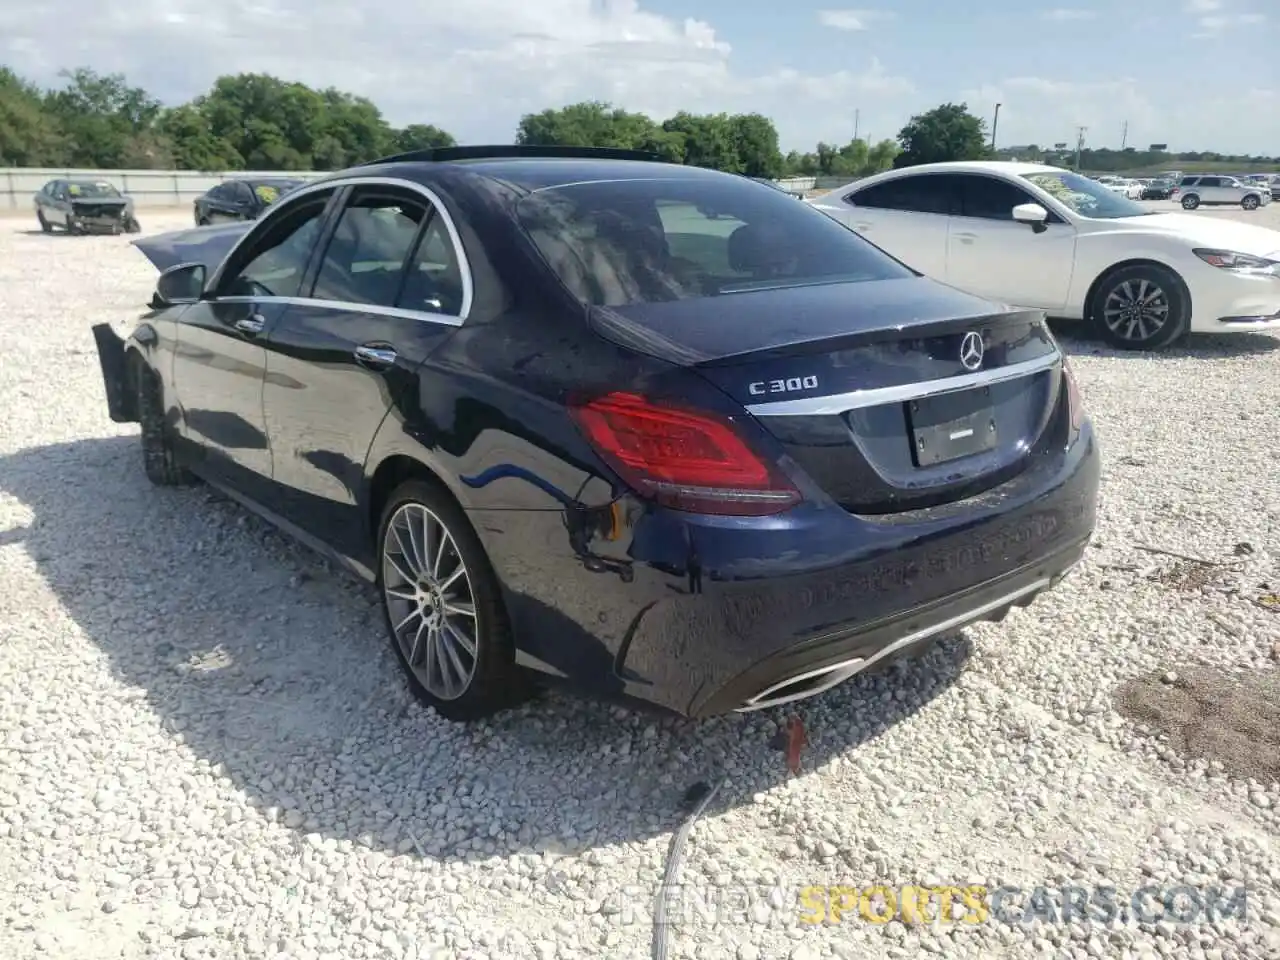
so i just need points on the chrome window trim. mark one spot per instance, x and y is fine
(287, 201)
(857, 399)
(445, 319)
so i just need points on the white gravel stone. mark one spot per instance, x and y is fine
(206, 750)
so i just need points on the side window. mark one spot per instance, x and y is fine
(990, 199)
(1188, 181)
(1210, 181)
(241, 193)
(926, 193)
(279, 251)
(434, 280)
(218, 193)
(365, 259)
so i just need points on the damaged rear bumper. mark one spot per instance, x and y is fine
(113, 360)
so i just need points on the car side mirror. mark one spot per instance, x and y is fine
(1032, 214)
(183, 283)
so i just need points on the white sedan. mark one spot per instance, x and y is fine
(1046, 238)
(1126, 188)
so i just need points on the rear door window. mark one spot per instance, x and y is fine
(924, 193)
(365, 259)
(642, 241)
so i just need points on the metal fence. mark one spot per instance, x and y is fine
(149, 188)
(176, 188)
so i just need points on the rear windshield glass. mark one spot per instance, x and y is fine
(621, 242)
(269, 191)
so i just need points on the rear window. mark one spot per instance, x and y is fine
(269, 191)
(622, 242)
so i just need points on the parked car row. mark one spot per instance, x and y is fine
(96, 206)
(1047, 238)
(1194, 190)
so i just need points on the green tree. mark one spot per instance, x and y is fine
(948, 132)
(195, 146)
(421, 136)
(589, 124)
(755, 139)
(101, 116)
(709, 140)
(29, 135)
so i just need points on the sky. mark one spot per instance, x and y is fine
(1196, 74)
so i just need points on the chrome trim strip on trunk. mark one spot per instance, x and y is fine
(844, 402)
(837, 673)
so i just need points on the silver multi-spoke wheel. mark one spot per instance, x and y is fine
(430, 603)
(1136, 309)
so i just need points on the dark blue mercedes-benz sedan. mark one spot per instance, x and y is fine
(661, 432)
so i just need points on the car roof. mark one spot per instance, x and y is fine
(1010, 167)
(531, 173)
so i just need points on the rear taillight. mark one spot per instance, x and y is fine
(1075, 404)
(682, 458)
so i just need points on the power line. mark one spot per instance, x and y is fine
(1124, 137)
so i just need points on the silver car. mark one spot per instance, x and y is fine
(1218, 189)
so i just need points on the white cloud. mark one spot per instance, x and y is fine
(1213, 18)
(470, 67)
(852, 19)
(1071, 14)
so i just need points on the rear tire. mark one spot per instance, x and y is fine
(45, 225)
(159, 457)
(443, 607)
(132, 225)
(1142, 307)
(202, 222)
(1190, 202)
(1250, 203)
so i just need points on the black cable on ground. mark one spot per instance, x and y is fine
(697, 797)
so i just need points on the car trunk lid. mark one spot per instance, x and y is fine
(890, 395)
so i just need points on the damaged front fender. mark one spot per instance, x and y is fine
(117, 378)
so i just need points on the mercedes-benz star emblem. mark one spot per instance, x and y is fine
(971, 351)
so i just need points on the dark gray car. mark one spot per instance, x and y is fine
(84, 206)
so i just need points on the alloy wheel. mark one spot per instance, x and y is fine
(429, 600)
(1136, 310)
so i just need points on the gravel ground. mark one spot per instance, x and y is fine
(206, 750)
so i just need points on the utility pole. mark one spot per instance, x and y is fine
(1124, 137)
(857, 115)
(1080, 132)
(994, 122)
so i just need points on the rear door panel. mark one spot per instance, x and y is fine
(905, 216)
